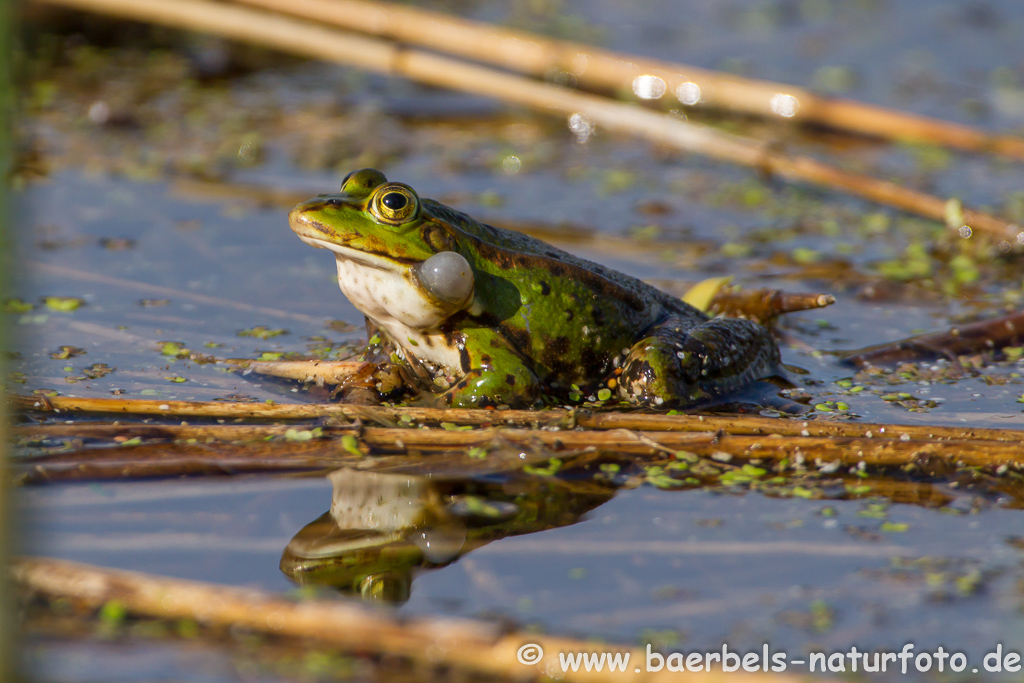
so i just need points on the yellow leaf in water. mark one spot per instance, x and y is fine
(701, 294)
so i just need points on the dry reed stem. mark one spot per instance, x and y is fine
(476, 646)
(594, 67)
(985, 335)
(847, 451)
(317, 41)
(732, 424)
(319, 371)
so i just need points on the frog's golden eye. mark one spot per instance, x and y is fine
(394, 203)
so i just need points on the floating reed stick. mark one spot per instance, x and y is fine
(830, 451)
(979, 337)
(318, 371)
(594, 67)
(315, 40)
(732, 424)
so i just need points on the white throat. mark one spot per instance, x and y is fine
(395, 303)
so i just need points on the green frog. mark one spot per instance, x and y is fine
(489, 317)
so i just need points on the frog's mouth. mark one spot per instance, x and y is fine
(366, 258)
(307, 228)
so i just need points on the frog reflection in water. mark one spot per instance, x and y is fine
(384, 529)
(490, 316)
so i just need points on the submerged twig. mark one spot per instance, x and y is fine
(247, 452)
(591, 66)
(472, 645)
(184, 460)
(55, 270)
(315, 40)
(733, 424)
(979, 337)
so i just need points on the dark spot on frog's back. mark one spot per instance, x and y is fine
(555, 351)
(545, 288)
(518, 337)
(556, 355)
(558, 270)
(510, 380)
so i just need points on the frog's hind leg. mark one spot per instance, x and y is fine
(680, 364)
(495, 375)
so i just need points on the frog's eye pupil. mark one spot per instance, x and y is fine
(394, 204)
(395, 201)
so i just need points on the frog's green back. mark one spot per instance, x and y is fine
(571, 317)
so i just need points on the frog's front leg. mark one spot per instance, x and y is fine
(680, 364)
(496, 375)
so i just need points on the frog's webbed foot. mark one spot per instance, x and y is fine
(679, 365)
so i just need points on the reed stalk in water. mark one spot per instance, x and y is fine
(316, 40)
(476, 646)
(567, 419)
(617, 72)
(231, 449)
